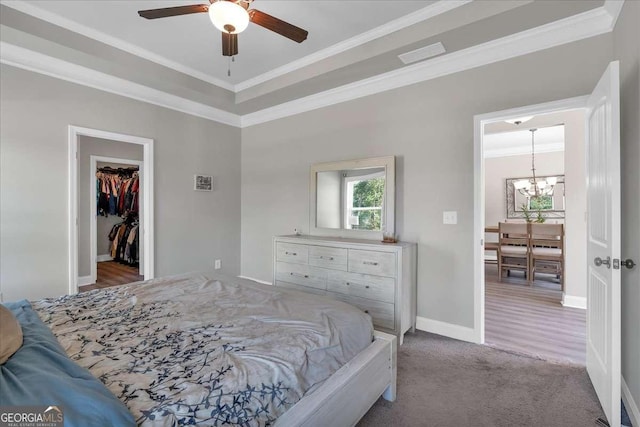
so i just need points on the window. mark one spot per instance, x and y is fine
(364, 198)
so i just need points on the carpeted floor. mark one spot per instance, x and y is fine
(445, 382)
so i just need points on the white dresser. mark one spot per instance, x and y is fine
(379, 278)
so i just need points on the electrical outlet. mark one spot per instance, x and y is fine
(218, 265)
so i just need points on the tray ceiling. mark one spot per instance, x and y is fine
(193, 42)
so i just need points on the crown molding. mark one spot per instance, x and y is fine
(422, 53)
(428, 12)
(578, 27)
(43, 64)
(588, 24)
(613, 8)
(522, 150)
(423, 14)
(94, 34)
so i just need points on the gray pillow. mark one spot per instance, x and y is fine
(10, 334)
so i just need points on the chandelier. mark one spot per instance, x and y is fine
(535, 187)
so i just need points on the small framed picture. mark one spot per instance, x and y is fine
(203, 182)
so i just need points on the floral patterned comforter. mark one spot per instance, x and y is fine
(196, 349)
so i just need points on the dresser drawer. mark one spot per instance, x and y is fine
(381, 313)
(290, 252)
(372, 262)
(322, 256)
(301, 288)
(362, 285)
(299, 274)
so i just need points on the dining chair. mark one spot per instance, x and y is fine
(513, 248)
(491, 247)
(546, 246)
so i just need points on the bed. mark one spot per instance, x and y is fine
(205, 350)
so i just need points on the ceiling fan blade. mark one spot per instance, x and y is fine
(277, 25)
(173, 11)
(229, 44)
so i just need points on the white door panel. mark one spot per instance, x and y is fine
(603, 242)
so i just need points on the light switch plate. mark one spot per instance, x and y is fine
(450, 217)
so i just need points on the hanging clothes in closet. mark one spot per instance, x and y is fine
(117, 191)
(125, 240)
(117, 195)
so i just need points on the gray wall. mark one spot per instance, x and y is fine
(192, 228)
(576, 204)
(627, 50)
(87, 147)
(429, 127)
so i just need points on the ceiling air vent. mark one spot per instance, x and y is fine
(422, 53)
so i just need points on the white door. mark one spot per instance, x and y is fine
(603, 242)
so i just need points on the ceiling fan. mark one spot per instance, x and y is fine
(231, 17)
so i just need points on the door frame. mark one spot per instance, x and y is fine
(93, 210)
(479, 122)
(74, 132)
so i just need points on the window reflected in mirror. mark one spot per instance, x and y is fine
(351, 199)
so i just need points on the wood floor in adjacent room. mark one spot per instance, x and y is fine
(112, 273)
(531, 319)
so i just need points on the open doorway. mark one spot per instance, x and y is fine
(601, 237)
(111, 206)
(115, 220)
(535, 304)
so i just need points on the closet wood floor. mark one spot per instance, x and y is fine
(111, 273)
(531, 319)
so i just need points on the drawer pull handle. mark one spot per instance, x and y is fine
(291, 253)
(330, 258)
(366, 311)
(369, 263)
(306, 276)
(366, 286)
(348, 283)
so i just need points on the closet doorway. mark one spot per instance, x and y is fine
(115, 221)
(111, 209)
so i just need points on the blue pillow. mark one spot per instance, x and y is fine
(40, 373)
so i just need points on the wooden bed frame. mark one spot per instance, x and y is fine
(348, 394)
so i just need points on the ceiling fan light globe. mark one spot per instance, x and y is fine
(228, 17)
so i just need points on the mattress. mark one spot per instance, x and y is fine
(206, 350)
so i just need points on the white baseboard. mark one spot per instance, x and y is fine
(630, 404)
(85, 280)
(446, 329)
(103, 258)
(574, 302)
(256, 280)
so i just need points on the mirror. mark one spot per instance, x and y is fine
(551, 206)
(353, 198)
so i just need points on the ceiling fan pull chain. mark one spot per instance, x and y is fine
(229, 67)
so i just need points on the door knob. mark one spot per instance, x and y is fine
(599, 261)
(628, 263)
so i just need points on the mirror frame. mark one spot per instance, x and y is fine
(389, 163)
